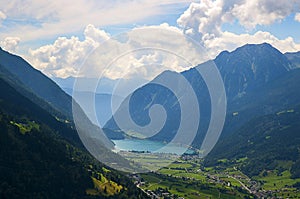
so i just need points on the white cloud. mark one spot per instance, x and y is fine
(297, 17)
(230, 41)
(40, 19)
(263, 12)
(2, 17)
(61, 58)
(10, 44)
(203, 21)
(202, 18)
(64, 57)
(124, 56)
(95, 34)
(206, 18)
(143, 52)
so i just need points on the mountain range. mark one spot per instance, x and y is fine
(245, 72)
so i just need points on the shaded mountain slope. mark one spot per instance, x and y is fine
(37, 162)
(268, 99)
(37, 82)
(264, 142)
(45, 93)
(294, 58)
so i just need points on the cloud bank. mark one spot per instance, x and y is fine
(121, 56)
(202, 21)
(208, 16)
(65, 55)
(39, 19)
(263, 12)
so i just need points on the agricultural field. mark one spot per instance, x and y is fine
(189, 179)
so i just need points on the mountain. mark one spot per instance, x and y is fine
(48, 95)
(41, 153)
(294, 58)
(103, 90)
(105, 86)
(45, 93)
(36, 82)
(246, 72)
(249, 67)
(103, 107)
(101, 85)
(261, 135)
(265, 143)
(272, 128)
(85, 92)
(270, 98)
(38, 162)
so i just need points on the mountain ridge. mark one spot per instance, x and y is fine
(47, 94)
(37, 82)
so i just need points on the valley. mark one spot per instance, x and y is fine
(149, 99)
(257, 155)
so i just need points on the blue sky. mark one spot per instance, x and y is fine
(45, 31)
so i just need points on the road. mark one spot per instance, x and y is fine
(243, 185)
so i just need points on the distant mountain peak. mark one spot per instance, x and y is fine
(251, 66)
(256, 48)
(264, 44)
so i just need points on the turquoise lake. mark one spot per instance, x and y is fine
(149, 146)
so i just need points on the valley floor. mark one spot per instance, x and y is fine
(188, 178)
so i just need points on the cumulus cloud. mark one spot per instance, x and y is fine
(10, 44)
(65, 55)
(297, 17)
(95, 34)
(143, 52)
(263, 12)
(203, 21)
(203, 18)
(206, 18)
(125, 55)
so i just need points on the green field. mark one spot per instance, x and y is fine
(188, 188)
(283, 182)
(26, 127)
(189, 179)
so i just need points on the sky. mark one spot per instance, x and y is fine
(57, 37)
